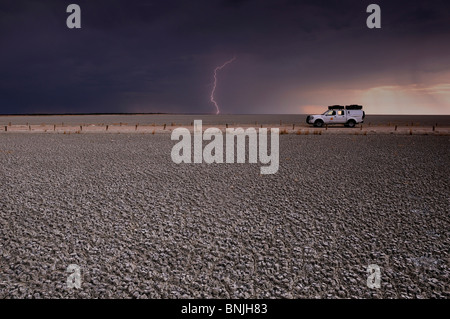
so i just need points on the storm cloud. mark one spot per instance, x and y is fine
(159, 56)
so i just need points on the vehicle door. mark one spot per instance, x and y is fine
(340, 117)
(329, 117)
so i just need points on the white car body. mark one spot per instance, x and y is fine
(337, 116)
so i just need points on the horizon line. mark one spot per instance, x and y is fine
(169, 113)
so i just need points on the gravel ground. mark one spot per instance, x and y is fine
(139, 225)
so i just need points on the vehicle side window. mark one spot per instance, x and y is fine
(331, 113)
(340, 112)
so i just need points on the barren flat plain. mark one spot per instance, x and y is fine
(140, 226)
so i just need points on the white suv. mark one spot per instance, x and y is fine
(349, 115)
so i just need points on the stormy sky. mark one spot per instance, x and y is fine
(159, 56)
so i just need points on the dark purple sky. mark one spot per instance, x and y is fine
(159, 56)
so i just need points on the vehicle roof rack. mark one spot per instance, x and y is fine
(353, 107)
(336, 107)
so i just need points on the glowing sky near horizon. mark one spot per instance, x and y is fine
(410, 99)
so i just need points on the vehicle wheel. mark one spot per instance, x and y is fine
(351, 123)
(318, 123)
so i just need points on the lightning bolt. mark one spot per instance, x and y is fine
(215, 83)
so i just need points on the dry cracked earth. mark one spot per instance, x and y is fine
(140, 226)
